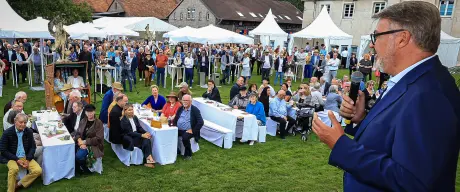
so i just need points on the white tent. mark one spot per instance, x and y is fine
(215, 35)
(83, 31)
(35, 28)
(115, 30)
(10, 20)
(180, 35)
(323, 28)
(135, 23)
(448, 49)
(268, 30)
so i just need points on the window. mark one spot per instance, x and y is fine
(193, 13)
(275, 16)
(190, 13)
(446, 7)
(348, 9)
(240, 14)
(287, 17)
(116, 6)
(252, 14)
(261, 15)
(328, 7)
(300, 18)
(174, 15)
(280, 17)
(199, 16)
(181, 16)
(378, 7)
(207, 16)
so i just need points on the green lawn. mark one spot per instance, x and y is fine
(290, 165)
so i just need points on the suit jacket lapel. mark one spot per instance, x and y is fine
(395, 93)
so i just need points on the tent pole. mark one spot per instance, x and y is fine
(42, 58)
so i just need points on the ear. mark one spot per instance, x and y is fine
(403, 39)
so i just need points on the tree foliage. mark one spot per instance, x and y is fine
(297, 3)
(49, 9)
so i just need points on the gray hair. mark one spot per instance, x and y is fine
(316, 86)
(21, 116)
(19, 94)
(333, 89)
(407, 15)
(12, 116)
(75, 93)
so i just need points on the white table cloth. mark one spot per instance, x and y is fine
(101, 77)
(227, 119)
(58, 155)
(164, 140)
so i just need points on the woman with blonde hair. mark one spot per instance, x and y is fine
(303, 96)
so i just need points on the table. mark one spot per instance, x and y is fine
(58, 155)
(296, 69)
(213, 112)
(164, 140)
(15, 75)
(173, 74)
(101, 79)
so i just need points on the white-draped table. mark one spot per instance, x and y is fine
(58, 153)
(164, 140)
(174, 73)
(213, 111)
(101, 77)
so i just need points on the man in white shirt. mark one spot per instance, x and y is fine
(333, 66)
(75, 80)
(344, 55)
(267, 61)
(302, 60)
(73, 120)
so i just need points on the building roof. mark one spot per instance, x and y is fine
(98, 6)
(148, 8)
(254, 10)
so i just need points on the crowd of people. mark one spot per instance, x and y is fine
(138, 61)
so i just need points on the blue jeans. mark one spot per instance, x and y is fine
(133, 74)
(308, 71)
(189, 76)
(153, 74)
(161, 76)
(125, 74)
(280, 75)
(80, 160)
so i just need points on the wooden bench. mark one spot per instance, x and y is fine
(217, 134)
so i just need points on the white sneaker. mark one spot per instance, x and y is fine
(251, 143)
(190, 87)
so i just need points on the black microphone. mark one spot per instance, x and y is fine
(356, 78)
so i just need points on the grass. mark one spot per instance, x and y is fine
(276, 165)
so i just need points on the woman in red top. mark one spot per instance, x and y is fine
(170, 109)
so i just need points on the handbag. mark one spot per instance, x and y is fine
(377, 73)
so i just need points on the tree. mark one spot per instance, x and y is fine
(69, 11)
(297, 3)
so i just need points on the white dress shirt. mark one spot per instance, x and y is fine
(344, 53)
(280, 67)
(133, 125)
(267, 62)
(395, 79)
(77, 123)
(188, 61)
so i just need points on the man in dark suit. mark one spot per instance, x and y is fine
(87, 56)
(410, 139)
(203, 62)
(20, 68)
(212, 93)
(189, 122)
(115, 136)
(17, 146)
(73, 120)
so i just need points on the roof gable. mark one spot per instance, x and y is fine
(148, 8)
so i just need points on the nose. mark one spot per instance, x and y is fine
(371, 45)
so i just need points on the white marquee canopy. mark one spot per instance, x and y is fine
(208, 35)
(268, 27)
(135, 23)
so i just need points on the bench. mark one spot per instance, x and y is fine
(135, 157)
(194, 144)
(217, 134)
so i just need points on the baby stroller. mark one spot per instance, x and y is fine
(304, 122)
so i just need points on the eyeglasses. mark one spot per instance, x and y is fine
(375, 35)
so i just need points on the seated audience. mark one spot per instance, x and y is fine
(316, 96)
(212, 93)
(74, 96)
(72, 121)
(17, 146)
(265, 99)
(115, 115)
(189, 122)
(241, 100)
(155, 101)
(236, 87)
(184, 90)
(170, 109)
(253, 89)
(256, 108)
(108, 99)
(278, 113)
(90, 133)
(380, 91)
(333, 99)
(19, 96)
(18, 107)
(135, 136)
(285, 87)
(303, 97)
(75, 80)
